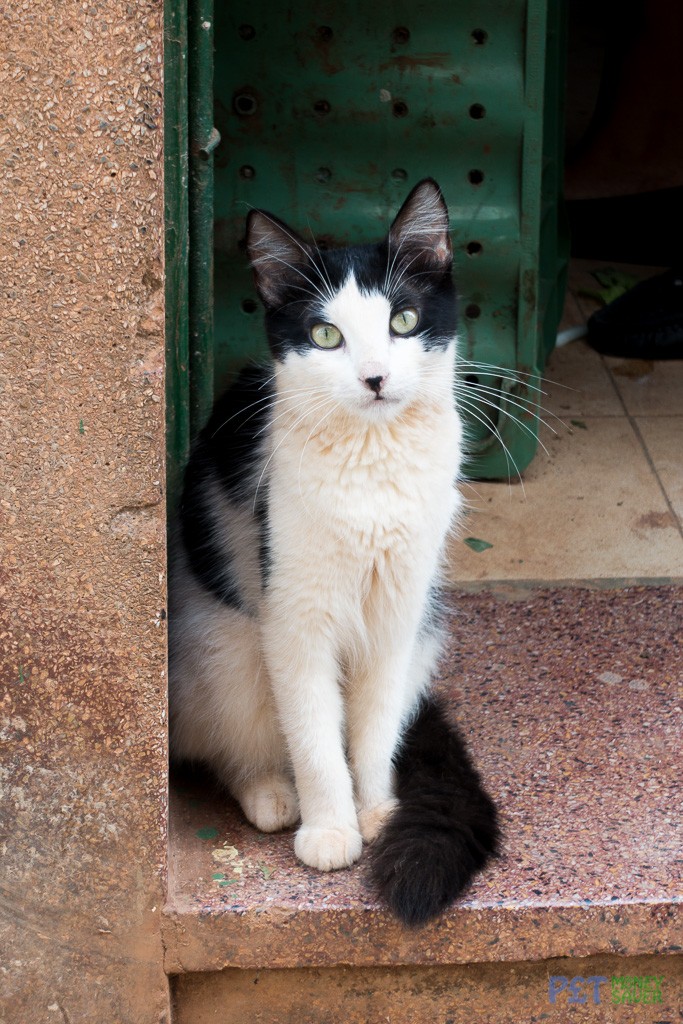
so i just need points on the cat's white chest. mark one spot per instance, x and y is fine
(376, 492)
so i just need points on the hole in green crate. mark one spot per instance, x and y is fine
(477, 111)
(475, 176)
(324, 33)
(474, 248)
(399, 174)
(400, 35)
(246, 171)
(400, 109)
(472, 311)
(471, 378)
(323, 174)
(479, 36)
(246, 32)
(244, 104)
(249, 306)
(321, 107)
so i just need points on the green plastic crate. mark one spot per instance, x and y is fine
(328, 113)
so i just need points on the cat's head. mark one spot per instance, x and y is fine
(371, 328)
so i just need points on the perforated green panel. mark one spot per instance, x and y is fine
(330, 112)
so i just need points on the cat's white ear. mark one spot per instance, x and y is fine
(278, 256)
(421, 226)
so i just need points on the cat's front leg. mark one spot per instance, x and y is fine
(305, 678)
(376, 707)
(380, 699)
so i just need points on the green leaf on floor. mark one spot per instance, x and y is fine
(476, 544)
(579, 423)
(266, 871)
(208, 832)
(218, 876)
(614, 283)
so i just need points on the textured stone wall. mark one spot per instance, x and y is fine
(82, 562)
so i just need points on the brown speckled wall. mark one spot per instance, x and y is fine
(82, 565)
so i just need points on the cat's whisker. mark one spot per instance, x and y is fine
(414, 276)
(335, 407)
(300, 419)
(261, 403)
(271, 257)
(280, 228)
(504, 379)
(305, 250)
(530, 408)
(515, 419)
(395, 284)
(388, 277)
(396, 248)
(513, 469)
(468, 507)
(505, 373)
(268, 381)
(282, 398)
(506, 451)
(322, 272)
(387, 269)
(316, 393)
(391, 284)
(508, 373)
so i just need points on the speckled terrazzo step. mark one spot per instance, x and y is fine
(571, 703)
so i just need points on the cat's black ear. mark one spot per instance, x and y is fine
(277, 254)
(421, 227)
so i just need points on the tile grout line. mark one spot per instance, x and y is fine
(650, 461)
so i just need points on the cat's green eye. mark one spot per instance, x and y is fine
(326, 336)
(404, 321)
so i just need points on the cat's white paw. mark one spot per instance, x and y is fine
(328, 848)
(270, 803)
(371, 819)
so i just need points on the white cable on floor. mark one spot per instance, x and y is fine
(571, 334)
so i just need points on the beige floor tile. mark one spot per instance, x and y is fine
(648, 387)
(577, 384)
(663, 438)
(591, 509)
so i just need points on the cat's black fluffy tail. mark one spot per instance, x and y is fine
(445, 827)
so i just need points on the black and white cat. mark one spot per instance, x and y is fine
(316, 506)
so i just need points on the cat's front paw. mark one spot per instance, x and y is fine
(371, 819)
(328, 848)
